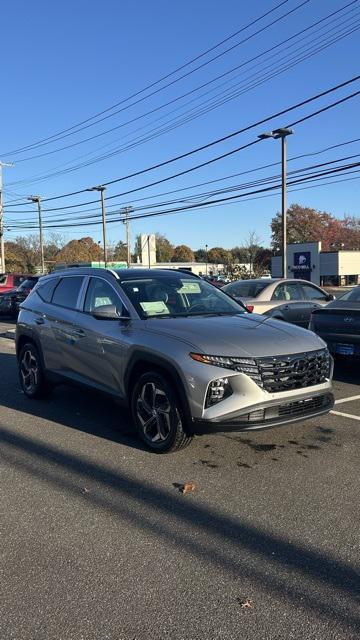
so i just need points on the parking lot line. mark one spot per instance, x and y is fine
(347, 399)
(345, 415)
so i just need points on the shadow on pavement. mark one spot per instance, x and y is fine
(74, 407)
(308, 579)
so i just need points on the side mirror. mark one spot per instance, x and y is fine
(330, 297)
(107, 312)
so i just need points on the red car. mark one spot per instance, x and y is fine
(11, 281)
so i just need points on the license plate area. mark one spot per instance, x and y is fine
(344, 349)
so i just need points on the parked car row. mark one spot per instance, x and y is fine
(184, 356)
(9, 281)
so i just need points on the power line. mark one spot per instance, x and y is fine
(215, 142)
(222, 178)
(213, 104)
(311, 174)
(312, 178)
(44, 141)
(157, 132)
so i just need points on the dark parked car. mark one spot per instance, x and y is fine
(339, 324)
(11, 300)
(10, 281)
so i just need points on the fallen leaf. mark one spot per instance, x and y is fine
(188, 487)
(245, 604)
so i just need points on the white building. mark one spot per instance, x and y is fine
(307, 261)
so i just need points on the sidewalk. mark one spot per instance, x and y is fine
(7, 329)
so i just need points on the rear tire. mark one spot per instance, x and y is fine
(157, 414)
(31, 372)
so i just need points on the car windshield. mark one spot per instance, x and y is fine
(351, 296)
(3, 277)
(163, 296)
(245, 288)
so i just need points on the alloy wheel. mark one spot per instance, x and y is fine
(29, 370)
(153, 411)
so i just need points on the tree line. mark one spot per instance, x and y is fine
(304, 225)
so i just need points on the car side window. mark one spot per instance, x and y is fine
(312, 293)
(287, 291)
(67, 292)
(18, 280)
(100, 293)
(46, 289)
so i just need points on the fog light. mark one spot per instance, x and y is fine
(217, 391)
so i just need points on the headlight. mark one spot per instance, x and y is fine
(242, 365)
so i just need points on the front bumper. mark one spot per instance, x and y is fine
(268, 414)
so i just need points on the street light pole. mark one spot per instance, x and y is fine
(282, 133)
(37, 199)
(206, 249)
(101, 188)
(283, 205)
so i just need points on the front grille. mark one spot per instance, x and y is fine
(284, 412)
(302, 407)
(283, 373)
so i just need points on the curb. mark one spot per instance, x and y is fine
(8, 334)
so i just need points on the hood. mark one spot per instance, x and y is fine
(245, 335)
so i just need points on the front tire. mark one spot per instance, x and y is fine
(158, 415)
(31, 373)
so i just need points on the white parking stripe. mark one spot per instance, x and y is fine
(345, 415)
(347, 399)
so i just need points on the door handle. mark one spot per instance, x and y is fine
(40, 321)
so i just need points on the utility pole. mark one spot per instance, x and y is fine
(2, 242)
(127, 211)
(37, 199)
(148, 244)
(281, 133)
(101, 188)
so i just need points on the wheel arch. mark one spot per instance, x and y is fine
(142, 362)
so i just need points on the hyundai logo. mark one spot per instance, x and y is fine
(348, 319)
(300, 366)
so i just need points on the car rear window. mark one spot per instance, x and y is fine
(19, 280)
(351, 296)
(67, 292)
(245, 289)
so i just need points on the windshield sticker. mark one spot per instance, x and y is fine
(154, 308)
(190, 287)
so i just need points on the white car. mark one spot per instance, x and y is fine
(290, 300)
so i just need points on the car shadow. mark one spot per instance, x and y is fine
(75, 407)
(309, 579)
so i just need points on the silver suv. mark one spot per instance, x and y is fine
(184, 356)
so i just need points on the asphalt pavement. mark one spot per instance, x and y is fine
(97, 542)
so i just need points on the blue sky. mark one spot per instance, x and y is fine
(62, 62)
